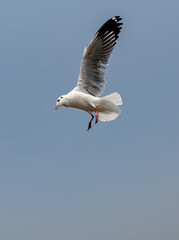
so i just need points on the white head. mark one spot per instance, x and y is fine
(59, 102)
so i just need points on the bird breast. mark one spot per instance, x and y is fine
(82, 101)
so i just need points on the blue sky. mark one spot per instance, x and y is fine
(117, 181)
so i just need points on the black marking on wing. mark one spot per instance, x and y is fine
(96, 57)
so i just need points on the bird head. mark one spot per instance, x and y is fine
(59, 102)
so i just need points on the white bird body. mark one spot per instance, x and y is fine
(105, 105)
(80, 100)
(91, 83)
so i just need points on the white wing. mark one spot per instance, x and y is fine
(95, 57)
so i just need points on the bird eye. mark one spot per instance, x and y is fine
(58, 100)
(61, 97)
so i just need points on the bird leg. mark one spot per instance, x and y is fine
(96, 120)
(89, 125)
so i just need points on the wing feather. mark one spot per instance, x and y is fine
(95, 57)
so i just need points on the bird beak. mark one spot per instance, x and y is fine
(58, 105)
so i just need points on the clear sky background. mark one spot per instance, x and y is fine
(120, 179)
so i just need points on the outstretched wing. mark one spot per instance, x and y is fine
(95, 57)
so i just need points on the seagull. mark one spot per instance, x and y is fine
(91, 81)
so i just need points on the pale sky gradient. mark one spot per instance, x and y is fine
(117, 181)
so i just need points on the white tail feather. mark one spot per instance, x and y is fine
(114, 98)
(110, 111)
(108, 116)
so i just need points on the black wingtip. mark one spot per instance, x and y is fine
(113, 24)
(118, 18)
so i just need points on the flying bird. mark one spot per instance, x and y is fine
(91, 81)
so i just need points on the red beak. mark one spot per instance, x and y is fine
(57, 106)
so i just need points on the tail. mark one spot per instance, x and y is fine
(109, 110)
(114, 98)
